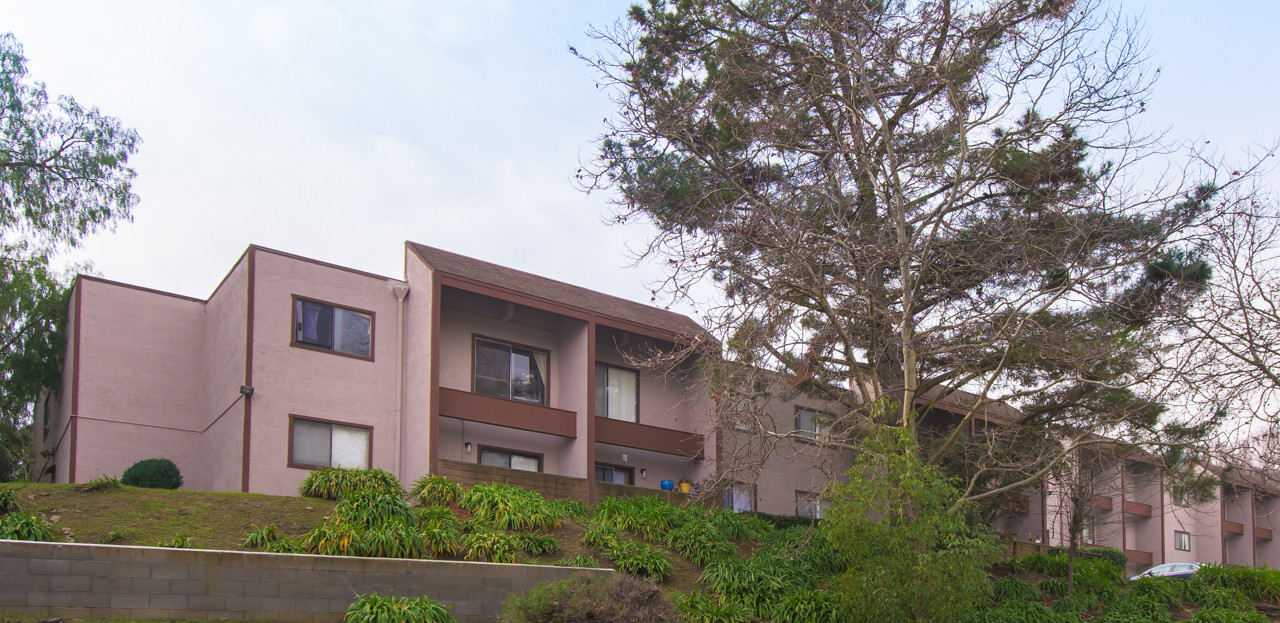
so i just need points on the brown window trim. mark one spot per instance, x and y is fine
(625, 369)
(289, 457)
(524, 453)
(616, 468)
(795, 422)
(1175, 541)
(293, 327)
(475, 336)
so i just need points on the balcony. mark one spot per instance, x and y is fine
(1262, 533)
(1100, 502)
(645, 437)
(508, 413)
(1137, 508)
(1232, 527)
(1138, 556)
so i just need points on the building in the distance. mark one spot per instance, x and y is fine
(481, 372)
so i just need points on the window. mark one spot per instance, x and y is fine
(328, 327)
(738, 498)
(616, 393)
(511, 460)
(1088, 530)
(616, 475)
(510, 372)
(812, 425)
(317, 443)
(809, 504)
(1181, 541)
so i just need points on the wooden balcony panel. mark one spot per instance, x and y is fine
(1137, 508)
(1101, 502)
(508, 413)
(1262, 533)
(1138, 556)
(645, 437)
(1232, 527)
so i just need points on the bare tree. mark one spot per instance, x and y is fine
(910, 205)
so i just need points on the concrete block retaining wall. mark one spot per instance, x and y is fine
(73, 579)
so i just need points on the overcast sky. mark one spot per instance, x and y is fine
(338, 130)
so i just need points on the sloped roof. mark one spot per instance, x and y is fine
(556, 291)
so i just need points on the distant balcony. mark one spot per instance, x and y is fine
(1138, 556)
(645, 437)
(1137, 508)
(1101, 502)
(508, 413)
(1262, 533)
(1232, 527)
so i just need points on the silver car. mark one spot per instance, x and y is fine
(1179, 570)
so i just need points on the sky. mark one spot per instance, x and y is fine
(337, 130)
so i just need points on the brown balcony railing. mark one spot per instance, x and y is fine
(1137, 508)
(645, 437)
(509, 413)
(1262, 533)
(1101, 502)
(1138, 556)
(1232, 527)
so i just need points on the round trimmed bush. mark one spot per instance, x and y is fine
(153, 474)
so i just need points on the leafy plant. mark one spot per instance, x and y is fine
(285, 546)
(601, 535)
(616, 598)
(1201, 591)
(369, 509)
(440, 531)
(334, 540)
(1052, 565)
(1053, 586)
(153, 474)
(641, 559)
(1013, 589)
(375, 608)
(489, 546)
(8, 501)
(114, 535)
(178, 541)
(1167, 591)
(103, 483)
(585, 562)
(699, 607)
(806, 607)
(332, 483)
(1015, 611)
(1109, 554)
(22, 526)
(1259, 583)
(1098, 576)
(507, 507)
(649, 518)
(435, 490)
(1219, 615)
(701, 542)
(392, 540)
(1135, 609)
(536, 544)
(260, 538)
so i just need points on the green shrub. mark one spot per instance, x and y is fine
(641, 559)
(536, 544)
(1259, 583)
(1109, 554)
(285, 546)
(1052, 565)
(1098, 576)
(806, 607)
(783, 522)
(601, 535)
(334, 540)
(332, 483)
(649, 518)
(1217, 615)
(1015, 611)
(1200, 591)
(392, 540)
(440, 531)
(701, 542)
(616, 598)
(21, 526)
(260, 538)
(107, 483)
(507, 507)
(435, 490)
(698, 607)
(1135, 609)
(1167, 591)
(8, 501)
(177, 542)
(375, 608)
(733, 526)
(1053, 586)
(1013, 589)
(114, 535)
(489, 546)
(569, 509)
(370, 509)
(1077, 602)
(585, 562)
(753, 582)
(153, 474)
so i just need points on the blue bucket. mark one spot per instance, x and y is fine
(667, 485)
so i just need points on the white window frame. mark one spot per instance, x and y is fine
(1184, 538)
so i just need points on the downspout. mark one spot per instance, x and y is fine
(400, 291)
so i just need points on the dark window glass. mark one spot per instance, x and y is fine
(333, 328)
(510, 372)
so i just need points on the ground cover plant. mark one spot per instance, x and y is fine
(375, 608)
(332, 483)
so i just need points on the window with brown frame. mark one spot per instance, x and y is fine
(617, 393)
(813, 425)
(1181, 541)
(510, 459)
(325, 326)
(315, 444)
(510, 372)
(739, 498)
(614, 474)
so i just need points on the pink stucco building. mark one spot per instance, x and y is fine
(479, 371)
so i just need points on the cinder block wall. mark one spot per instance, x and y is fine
(549, 485)
(73, 579)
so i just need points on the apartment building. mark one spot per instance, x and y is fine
(460, 367)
